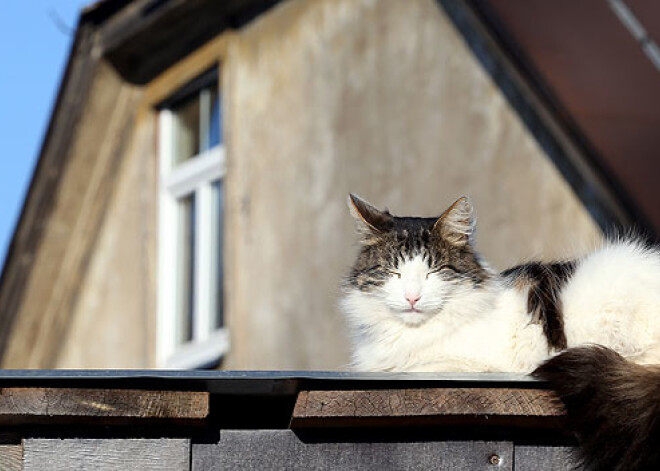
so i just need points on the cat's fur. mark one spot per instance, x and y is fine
(420, 298)
(613, 407)
(471, 318)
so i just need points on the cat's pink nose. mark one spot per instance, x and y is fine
(413, 298)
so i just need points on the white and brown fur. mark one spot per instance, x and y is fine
(420, 298)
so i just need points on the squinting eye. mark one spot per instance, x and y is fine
(395, 273)
(441, 268)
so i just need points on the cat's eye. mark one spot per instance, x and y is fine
(442, 268)
(395, 273)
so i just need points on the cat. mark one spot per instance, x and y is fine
(420, 298)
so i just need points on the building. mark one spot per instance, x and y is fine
(189, 204)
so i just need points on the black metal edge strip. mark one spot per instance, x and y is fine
(256, 383)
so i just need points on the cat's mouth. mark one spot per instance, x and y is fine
(412, 316)
(412, 310)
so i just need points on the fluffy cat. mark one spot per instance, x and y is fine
(420, 298)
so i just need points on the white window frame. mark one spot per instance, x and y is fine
(194, 176)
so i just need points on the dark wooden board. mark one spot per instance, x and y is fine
(283, 449)
(426, 405)
(107, 455)
(27, 405)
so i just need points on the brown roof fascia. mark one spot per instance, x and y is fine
(598, 188)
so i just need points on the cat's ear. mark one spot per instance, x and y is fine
(370, 220)
(456, 225)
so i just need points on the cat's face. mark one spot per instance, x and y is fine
(414, 266)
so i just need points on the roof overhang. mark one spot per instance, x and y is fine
(592, 64)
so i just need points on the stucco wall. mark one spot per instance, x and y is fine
(113, 321)
(82, 302)
(381, 98)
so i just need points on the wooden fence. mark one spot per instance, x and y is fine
(261, 421)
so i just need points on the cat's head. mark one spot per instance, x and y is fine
(415, 266)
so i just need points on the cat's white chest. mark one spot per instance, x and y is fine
(497, 338)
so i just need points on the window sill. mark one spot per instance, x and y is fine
(202, 354)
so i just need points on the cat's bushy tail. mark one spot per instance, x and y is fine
(613, 407)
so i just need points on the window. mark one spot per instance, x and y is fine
(192, 166)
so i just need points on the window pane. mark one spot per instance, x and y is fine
(186, 269)
(186, 129)
(217, 272)
(215, 121)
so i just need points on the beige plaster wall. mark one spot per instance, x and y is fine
(78, 308)
(382, 98)
(113, 322)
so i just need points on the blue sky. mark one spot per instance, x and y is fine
(35, 37)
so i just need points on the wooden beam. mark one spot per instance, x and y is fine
(38, 405)
(501, 406)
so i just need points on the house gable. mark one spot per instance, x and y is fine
(320, 102)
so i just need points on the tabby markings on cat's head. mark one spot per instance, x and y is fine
(414, 266)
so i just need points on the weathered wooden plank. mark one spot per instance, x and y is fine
(545, 458)
(282, 449)
(27, 404)
(11, 457)
(107, 454)
(328, 408)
